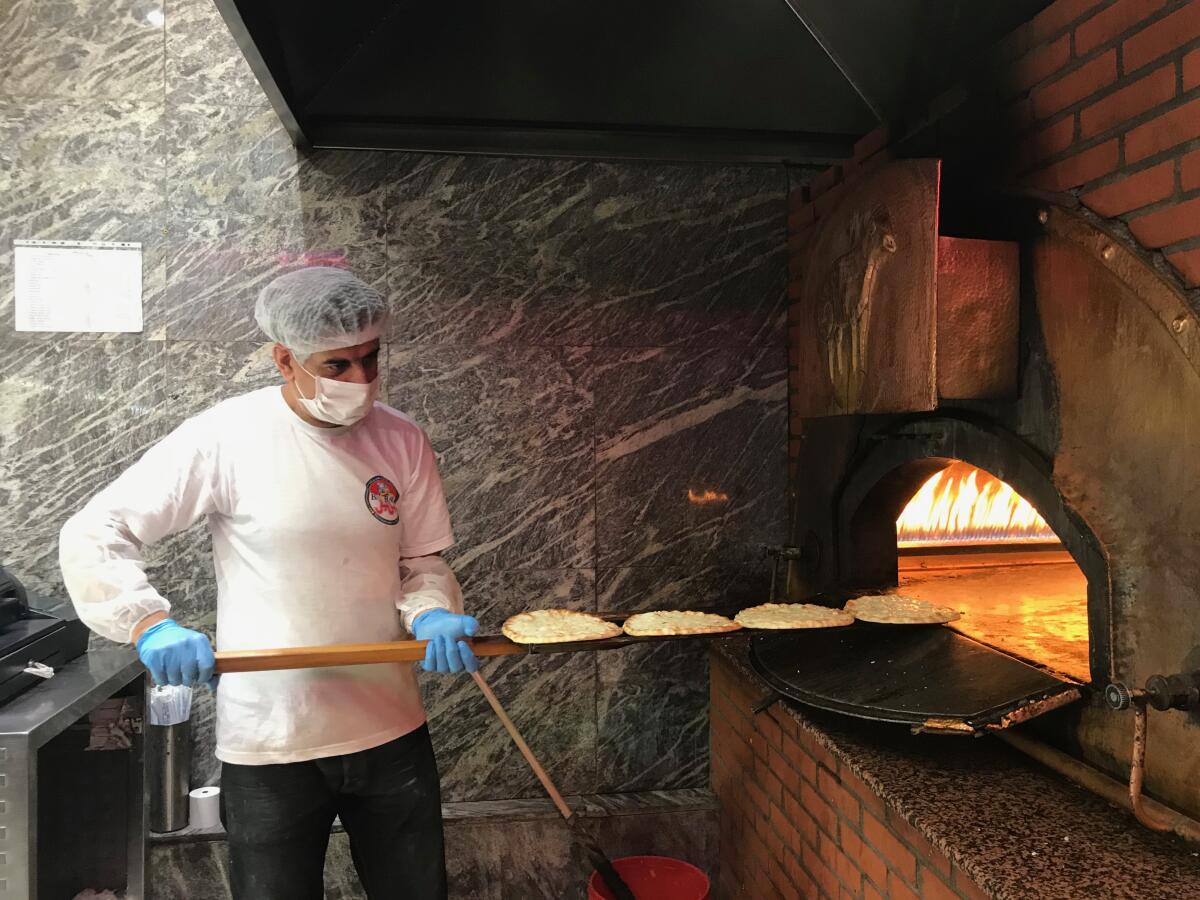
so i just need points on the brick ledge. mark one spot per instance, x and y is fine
(1017, 830)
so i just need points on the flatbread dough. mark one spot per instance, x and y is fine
(557, 626)
(897, 609)
(681, 621)
(793, 615)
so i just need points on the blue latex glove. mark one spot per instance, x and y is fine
(176, 655)
(444, 630)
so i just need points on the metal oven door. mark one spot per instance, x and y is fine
(926, 676)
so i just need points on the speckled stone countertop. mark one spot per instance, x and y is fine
(1021, 831)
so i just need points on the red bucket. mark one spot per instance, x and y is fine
(654, 878)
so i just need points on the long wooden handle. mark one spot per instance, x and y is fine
(349, 654)
(523, 747)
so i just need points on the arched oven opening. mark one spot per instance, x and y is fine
(964, 514)
(1035, 629)
(967, 540)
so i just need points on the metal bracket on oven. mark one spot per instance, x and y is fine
(766, 702)
(808, 556)
(1163, 692)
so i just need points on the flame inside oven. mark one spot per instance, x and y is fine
(962, 504)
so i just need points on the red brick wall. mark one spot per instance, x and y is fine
(1100, 98)
(1109, 106)
(797, 823)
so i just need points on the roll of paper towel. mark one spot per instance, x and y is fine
(204, 807)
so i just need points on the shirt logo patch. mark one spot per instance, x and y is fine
(383, 500)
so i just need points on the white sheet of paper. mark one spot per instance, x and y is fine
(78, 285)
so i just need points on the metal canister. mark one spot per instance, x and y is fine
(169, 763)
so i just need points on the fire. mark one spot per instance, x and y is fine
(962, 503)
(707, 496)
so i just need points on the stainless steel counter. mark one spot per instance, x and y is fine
(83, 790)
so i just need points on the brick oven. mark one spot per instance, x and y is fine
(995, 372)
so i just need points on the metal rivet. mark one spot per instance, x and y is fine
(1109, 251)
(1043, 216)
(1179, 324)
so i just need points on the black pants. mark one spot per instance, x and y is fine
(278, 819)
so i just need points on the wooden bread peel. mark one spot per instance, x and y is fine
(413, 651)
(349, 654)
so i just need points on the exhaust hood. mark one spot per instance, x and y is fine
(755, 81)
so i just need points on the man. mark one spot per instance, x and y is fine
(327, 518)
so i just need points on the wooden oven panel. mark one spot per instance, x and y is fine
(978, 311)
(893, 317)
(866, 316)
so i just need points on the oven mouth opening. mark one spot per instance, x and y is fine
(964, 506)
(968, 540)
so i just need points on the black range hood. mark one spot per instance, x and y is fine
(758, 81)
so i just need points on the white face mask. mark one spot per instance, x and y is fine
(339, 402)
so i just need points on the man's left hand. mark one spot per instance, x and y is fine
(447, 651)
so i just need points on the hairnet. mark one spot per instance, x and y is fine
(320, 308)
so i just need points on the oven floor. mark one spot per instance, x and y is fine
(1037, 612)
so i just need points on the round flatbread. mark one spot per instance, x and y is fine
(898, 609)
(557, 626)
(661, 623)
(793, 615)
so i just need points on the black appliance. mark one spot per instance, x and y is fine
(31, 637)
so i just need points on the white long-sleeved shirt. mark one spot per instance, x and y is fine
(319, 536)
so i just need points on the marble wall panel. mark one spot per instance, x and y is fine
(484, 250)
(690, 480)
(199, 870)
(652, 701)
(513, 429)
(550, 698)
(216, 264)
(81, 48)
(92, 136)
(687, 255)
(244, 204)
(204, 64)
(690, 451)
(192, 870)
(82, 170)
(556, 252)
(236, 159)
(71, 413)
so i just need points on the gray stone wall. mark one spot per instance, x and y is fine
(584, 342)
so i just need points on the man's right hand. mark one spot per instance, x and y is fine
(176, 655)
